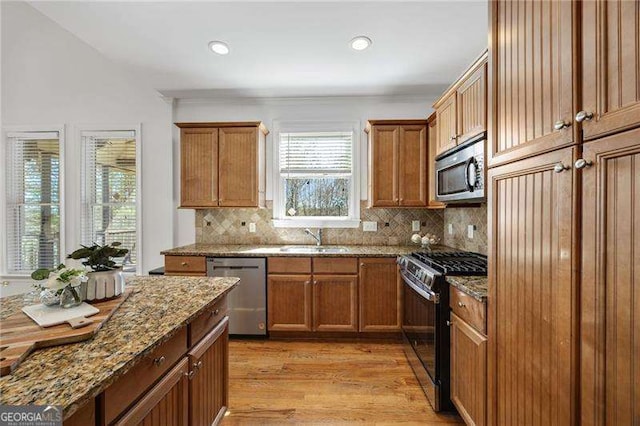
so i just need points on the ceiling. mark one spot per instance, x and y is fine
(283, 49)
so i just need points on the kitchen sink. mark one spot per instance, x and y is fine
(313, 249)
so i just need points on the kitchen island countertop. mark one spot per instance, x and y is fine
(247, 250)
(71, 375)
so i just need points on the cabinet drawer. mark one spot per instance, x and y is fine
(469, 309)
(204, 323)
(131, 386)
(289, 265)
(335, 265)
(188, 264)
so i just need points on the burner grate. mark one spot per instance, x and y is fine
(454, 263)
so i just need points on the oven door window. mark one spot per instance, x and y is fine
(453, 179)
(419, 325)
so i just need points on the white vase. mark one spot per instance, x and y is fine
(103, 285)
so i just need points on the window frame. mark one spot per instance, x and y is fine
(137, 128)
(280, 219)
(4, 246)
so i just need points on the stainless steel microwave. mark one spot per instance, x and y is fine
(460, 173)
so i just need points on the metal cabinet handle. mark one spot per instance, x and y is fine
(561, 124)
(215, 312)
(184, 263)
(453, 138)
(362, 265)
(449, 323)
(315, 282)
(159, 361)
(307, 282)
(581, 163)
(559, 168)
(197, 365)
(462, 305)
(583, 116)
(5, 283)
(190, 374)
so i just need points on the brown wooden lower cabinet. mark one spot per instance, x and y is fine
(380, 295)
(335, 303)
(167, 403)
(533, 309)
(209, 382)
(610, 281)
(289, 303)
(468, 371)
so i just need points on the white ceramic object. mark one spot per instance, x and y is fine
(103, 285)
(47, 316)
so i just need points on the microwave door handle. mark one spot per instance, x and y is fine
(468, 164)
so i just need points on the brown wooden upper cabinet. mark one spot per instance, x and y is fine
(432, 147)
(397, 163)
(531, 78)
(222, 164)
(610, 67)
(461, 112)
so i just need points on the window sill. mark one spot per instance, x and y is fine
(316, 223)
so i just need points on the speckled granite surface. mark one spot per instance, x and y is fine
(70, 375)
(476, 287)
(224, 250)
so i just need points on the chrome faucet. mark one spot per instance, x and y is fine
(318, 237)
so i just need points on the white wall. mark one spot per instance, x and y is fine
(50, 77)
(300, 109)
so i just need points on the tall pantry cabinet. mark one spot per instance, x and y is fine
(564, 213)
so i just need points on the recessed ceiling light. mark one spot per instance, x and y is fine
(219, 47)
(360, 43)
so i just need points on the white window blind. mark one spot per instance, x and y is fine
(32, 201)
(109, 176)
(317, 153)
(316, 175)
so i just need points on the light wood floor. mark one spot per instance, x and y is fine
(322, 382)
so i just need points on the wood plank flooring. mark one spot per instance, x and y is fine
(325, 382)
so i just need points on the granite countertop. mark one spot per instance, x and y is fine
(476, 287)
(70, 375)
(223, 250)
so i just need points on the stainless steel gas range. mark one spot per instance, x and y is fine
(425, 322)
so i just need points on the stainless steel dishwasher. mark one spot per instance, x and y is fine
(248, 301)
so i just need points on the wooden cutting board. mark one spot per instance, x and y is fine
(20, 335)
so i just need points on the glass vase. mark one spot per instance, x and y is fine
(70, 297)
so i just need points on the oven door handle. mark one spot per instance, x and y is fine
(429, 295)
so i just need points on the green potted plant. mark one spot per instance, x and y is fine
(106, 279)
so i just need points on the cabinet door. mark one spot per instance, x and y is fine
(610, 292)
(468, 372)
(383, 166)
(432, 141)
(380, 297)
(335, 303)
(167, 403)
(532, 319)
(209, 377)
(238, 165)
(412, 166)
(446, 125)
(472, 105)
(199, 167)
(610, 66)
(289, 302)
(532, 56)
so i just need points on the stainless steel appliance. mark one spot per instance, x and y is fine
(460, 173)
(248, 301)
(425, 322)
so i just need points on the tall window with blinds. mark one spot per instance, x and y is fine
(109, 193)
(32, 201)
(316, 175)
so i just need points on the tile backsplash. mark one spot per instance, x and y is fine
(460, 218)
(394, 227)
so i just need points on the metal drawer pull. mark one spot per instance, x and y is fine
(462, 305)
(190, 374)
(561, 124)
(581, 163)
(160, 360)
(215, 312)
(197, 365)
(184, 263)
(583, 116)
(449, 323)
